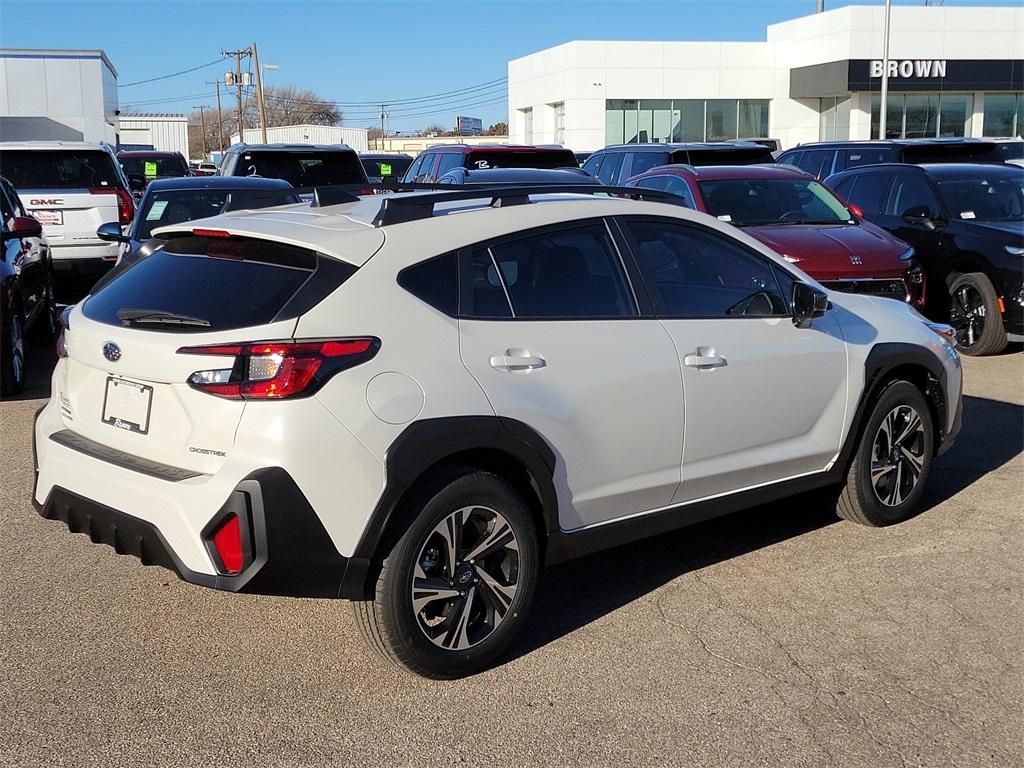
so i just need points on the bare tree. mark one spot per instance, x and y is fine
(497, 129)
(289, 105)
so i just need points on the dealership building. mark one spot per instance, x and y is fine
(953, 71)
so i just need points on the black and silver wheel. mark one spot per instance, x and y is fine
(12, 354)
(455, 587)
(974, 315)
(887, 476)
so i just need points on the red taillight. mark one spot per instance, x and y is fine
(368, 191)
(211, 233)
(125, 203)
(855, 210)
(268, 370)
(227, 540)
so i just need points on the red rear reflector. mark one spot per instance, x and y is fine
(227, 540)
(211, 233)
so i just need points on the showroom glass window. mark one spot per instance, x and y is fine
(629, 121)
(559, 111)
(834, 118)
(528, 125)
(1003, 114)
(924, 115)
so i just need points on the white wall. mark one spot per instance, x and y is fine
(309, 134)
(167, 133)
(57, 95)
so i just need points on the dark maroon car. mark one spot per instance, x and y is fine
(144, 166)
(802, 220)
(434, 162)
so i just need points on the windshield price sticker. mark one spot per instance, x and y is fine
(150, 169)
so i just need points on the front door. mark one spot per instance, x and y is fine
(553, 335)
(764, 400)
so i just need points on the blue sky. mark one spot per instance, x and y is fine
(371, 50)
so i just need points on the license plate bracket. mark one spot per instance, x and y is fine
(127, 405)
(48, 218)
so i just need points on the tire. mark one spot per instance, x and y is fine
(12, 354)
(890, 498)
(445, 634)
(974, 314)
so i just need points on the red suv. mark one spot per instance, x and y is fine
(434, 162)
(795, 215)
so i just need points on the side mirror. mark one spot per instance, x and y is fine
(136, 183)
(24, 226)
(807, 303)
(111, 232)
(919, 215)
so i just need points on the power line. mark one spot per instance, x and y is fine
(439, 103)
(429, 97)
(173, 74)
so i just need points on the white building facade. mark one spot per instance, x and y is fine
(57, 95)
(309, 134)
(163, 132)
(954, 71)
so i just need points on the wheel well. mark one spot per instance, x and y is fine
(925, 382)
(968, 261)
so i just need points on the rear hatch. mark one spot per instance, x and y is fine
(70, 191)
(304, 169)
(126, 382)
(953, 152)
(527, 157)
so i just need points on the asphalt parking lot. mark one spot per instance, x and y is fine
(778, 636)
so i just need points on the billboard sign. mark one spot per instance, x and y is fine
(469, 126)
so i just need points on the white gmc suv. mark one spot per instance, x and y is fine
(416, 401)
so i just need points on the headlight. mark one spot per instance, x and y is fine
(1014, 250)
(907, 255)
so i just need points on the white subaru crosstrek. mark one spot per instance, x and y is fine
(416, 401)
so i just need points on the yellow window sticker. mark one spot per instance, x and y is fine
(150, 169)
(385, 169)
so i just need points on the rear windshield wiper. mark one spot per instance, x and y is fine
(131, 316)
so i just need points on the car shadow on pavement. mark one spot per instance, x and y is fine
(577, 593)
(39, 364)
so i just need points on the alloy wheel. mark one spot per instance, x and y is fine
(967, 315)
(465, 578)
(897, 455)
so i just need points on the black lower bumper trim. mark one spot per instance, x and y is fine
(294, 555)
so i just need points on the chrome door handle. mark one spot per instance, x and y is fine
(517, 361)
(704, 358)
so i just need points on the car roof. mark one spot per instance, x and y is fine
(711, 172)
(217, 182)
(889, 143)
(147, 153)
(384, 156)
(722, 146)
(467, 148)
(942, 170)
(290, 147)
(54, 145)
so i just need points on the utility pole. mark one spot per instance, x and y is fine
(383, 115)
(202, 122)
(220, 118)
(884, 108)
(235, 79)
(259, 94)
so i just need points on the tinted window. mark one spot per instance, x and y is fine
(677, 186)
(817, 162)
(414, 169)
(568, 273)
(986, 197)
(609, 172)
(867, 192)
(178, 206)
(59, 169)
(737, 156)
(699, 273)
(537, 158)
(791, 158)
(489, 297)
(593, 163)
(910, 190)
(200, 278)
(854, 158)
(425, 171)
(449, 160)
(303, 169)
(151, 167)
(435, 281)
(644, 161)
(392, 166)
(753, 202)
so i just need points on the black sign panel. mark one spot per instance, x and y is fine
(837, 78)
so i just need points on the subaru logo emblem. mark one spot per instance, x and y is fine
(111, 351)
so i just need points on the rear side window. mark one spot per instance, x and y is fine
(593, 164)
(791, 158)
(435, 281)
(698, 273)
(854, 158)
(192, 285)
(867, 192)
(644, 161)
(303, 169)
(568, 273)
(818, 163)
(58, 169)
(609, 172)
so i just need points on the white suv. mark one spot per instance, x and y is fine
(416, 401)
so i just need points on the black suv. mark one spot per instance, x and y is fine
(304, 166)
(824, 158)
(613, 165)
(966, 224)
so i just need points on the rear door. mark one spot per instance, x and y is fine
(70, 191)
(764, 400)
(124, 384)
(551, 330)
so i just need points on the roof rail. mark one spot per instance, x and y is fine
(400, 209)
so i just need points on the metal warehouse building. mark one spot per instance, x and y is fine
(57, 96)
(309, 134)
(165, 132)
(952, 72)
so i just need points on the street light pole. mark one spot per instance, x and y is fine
(259, 94)
(883, 110)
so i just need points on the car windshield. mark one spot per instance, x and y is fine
(760, 202)
(985, 197)
(391, 166)
(153, 167)
(58, 169)
(303, 169)
(181, 205)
